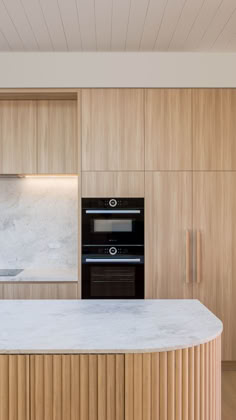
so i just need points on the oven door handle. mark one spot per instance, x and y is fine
(112, 211)
(113, 260)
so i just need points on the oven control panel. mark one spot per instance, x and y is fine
(112, 203)
(113, 250)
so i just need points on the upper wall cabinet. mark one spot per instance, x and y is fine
(168, 129)
(112, 129)
(17, 137)
(214, 129)
(57, 137)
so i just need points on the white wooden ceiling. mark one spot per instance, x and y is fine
(118, 25)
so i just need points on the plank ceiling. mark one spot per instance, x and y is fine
(118, 25)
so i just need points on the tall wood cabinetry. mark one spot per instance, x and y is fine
(190, 225)
(168, 223)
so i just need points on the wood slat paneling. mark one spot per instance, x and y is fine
(14, 387)
(172, 385)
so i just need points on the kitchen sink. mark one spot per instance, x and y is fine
(7, 272)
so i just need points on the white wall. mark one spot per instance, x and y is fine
(117, 70)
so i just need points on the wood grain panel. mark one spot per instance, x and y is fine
(168, 214)
(57, 137)
(40, 291)
(14, 387)
(147, 384)
(120, 386)
(155, 385)
(173, 385)
(178, 384)
(113, 184)
(112, 129)
(168, 136)
(18, 137)
(214, 209)
(163, 386)
(129, 387)
(214, 128)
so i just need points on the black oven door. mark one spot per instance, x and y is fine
(113, 226)
(112, 279)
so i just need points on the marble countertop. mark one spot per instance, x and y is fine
(42, 275)
(104, 326)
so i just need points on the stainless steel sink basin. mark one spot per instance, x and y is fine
(7, 272)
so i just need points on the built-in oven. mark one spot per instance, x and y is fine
(113, 221)
(113, 272)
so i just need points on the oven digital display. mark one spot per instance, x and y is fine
(114, 225)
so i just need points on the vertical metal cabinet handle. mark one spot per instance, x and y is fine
(187, 260)
(198, 256)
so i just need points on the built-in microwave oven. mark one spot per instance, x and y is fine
(113, 221)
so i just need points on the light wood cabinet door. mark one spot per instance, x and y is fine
(214, 129)
(168, 225)
(113, 184)
(57, 137)
(112, 129)
(168, 129)
(18, 137)
(214, 216)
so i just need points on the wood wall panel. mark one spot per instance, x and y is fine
(18, 137)
(57, 137)
(14, 387)
(168, 129)
(112, 129)
(113, 184)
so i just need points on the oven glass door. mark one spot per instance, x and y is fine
(113, 226)
(113, 281)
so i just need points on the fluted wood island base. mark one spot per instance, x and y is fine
(113, 383)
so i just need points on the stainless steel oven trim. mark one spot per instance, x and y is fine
(113, 260)
(112, 211)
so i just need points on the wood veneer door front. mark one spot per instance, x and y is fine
(18, 137)
(214, 129)
(112, 129)
(168, 219)
(168, 129)
(116, 184)
(214, 217)
(57, 137)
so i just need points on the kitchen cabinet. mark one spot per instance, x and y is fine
(214, 129)
(112, 129)
(214, 210)
(39, 291)
(168, 129)
(113, 184)
(57, 137)
(18, 137)
(168, 218)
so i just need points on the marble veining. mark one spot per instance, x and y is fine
(104, 326)
(38, 225)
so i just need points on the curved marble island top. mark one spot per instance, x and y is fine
(104, 326)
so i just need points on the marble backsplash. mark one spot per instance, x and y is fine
(39, 223)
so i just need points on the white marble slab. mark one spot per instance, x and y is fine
(104, 326)
(39, 223)
(43, 275)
